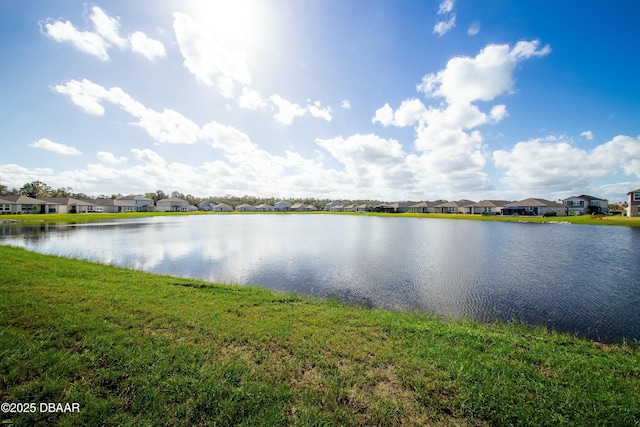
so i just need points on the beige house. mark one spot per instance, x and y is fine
(23, 204)
(66, 205)
(488, 207)
(461, 206)
(141, 203)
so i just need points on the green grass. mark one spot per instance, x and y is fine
(140, 349)
(95, 217)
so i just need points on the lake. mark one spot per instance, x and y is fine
(574, 278)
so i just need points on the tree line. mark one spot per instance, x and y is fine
(39, 190)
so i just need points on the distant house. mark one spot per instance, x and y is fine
(330, 205)
(401, 207)
(634, 203)
(5, 206)
(140, 203)
(113, 206)
(206, 206)
(311, 208)
(537, 207)
(363, 208)
(263, 207)
(424, 207)
(488, 207)
(246, 208)
(172, 204)
(70, 205)
(282, 206)
(349, 208)
(586, 205)
(461, 206)
(222, 207)
(24, 204)
(337, 208)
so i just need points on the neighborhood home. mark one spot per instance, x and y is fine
(535, 207)
(349, 208)
(424, 207)
(23, 204)
(633, 208)
(586, 205)
(402, 207)
(246, 208)
(263, 207)
(302, 207)
(363, 207)
(5, 206)
(222, 207)
(282, 206)
(461, 206)
(172, 204)
(65, 205)
(330, 205)
(205, 206)
(113, 206)
(141, 203)
(337, 208)
(488, 207)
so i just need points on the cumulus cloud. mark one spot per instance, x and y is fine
(49, 145)
(287, 110)
(106, 35)
(167, 126)
(409, 113)
(207, 59)
(107, 157)
(554, 163)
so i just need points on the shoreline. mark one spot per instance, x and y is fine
(138, 348)
(615, 220)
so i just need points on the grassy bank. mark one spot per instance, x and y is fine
(140, 349)
(84, 218)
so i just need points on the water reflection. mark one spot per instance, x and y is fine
(580, 279)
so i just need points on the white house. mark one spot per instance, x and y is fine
(263, 207)
(585, 205)
(633, 208)
(5, 206)
(245, 207)
(141, 203)
(172, 204)
(282, 206)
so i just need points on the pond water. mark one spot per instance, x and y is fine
(574, 278)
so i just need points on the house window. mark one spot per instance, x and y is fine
(636, 197)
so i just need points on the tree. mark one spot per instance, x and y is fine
(36, 189)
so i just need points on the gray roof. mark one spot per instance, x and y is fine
(174, 200)
(456, 204)
(69, 201)
(425, 204)
(112, 202)
(537, 202)
(24, 200)
(136, 197)
(490, 203)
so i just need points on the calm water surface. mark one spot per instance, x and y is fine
(574, 278)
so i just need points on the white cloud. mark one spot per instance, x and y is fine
(443, 27)
(446, 6)
(208, 60)
(147, 47)
(107, 27)
(554, 163)
(251, 99)
(107, 34)
(409, 113)
(167, 126)
(587, 134)
(149, 157)
(49, 145)
(474, 28)
(287, 110)
(498, 112)
(346, 104)
(107, 157)
(84, 41)
(482, 78)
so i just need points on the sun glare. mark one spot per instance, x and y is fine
(238, 22)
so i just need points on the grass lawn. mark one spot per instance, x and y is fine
(133, 348)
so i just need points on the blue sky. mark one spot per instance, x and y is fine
(390, 100)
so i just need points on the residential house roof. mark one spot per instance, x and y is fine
(584, 197)
(634, 191)
(135, 197)
(537, 202)
(244, 206)
(456, 204)
(490, 204)
(173, 200)
(25, 200)
(68, 201)
(112, 202)
(425, 204)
